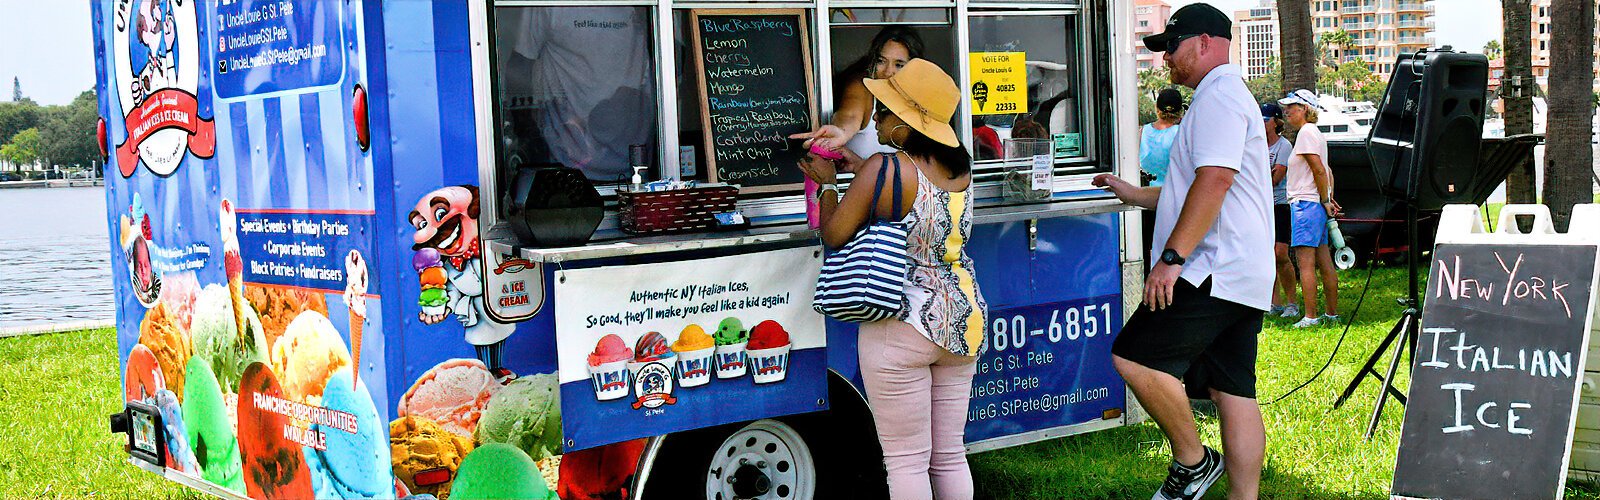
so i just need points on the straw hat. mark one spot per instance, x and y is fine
(923, 96)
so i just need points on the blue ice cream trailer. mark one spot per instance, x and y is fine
(516, 248)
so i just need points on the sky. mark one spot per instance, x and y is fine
(47, 44)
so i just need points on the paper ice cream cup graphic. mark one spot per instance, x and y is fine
(610, 380)
(770, 365)
(730, 360)
(695, 367)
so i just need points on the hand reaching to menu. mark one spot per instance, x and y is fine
(828, 136)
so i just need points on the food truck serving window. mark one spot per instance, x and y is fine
(577, 87)
(1046, 99)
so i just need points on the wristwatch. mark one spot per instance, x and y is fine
(822, 188)
(1170, 257)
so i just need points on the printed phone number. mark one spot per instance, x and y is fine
(1071, 324)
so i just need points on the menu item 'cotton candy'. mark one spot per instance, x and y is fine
(307, 355)
(217, 340)
(497, 470)
(424, 455)
(525, 414)
(693, 338)
(767, 335)
(652, 347)
(610, 349)
(356, 464)
(274, 466)
(205, 419)
(452, 393)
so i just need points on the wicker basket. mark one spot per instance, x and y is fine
(675, 211)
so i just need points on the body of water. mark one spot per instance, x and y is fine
(55, 242)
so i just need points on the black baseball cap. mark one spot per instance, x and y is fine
(1271, 110)
(1192, 19)
(1169, 100)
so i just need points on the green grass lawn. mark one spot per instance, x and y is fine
(1313, 451)
(56, 391)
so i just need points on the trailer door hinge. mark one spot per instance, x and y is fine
(1033, 235)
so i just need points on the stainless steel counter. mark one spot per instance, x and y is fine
(615, 244)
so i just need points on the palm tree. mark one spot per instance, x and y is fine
(1492, 49)
(1299, 65)
(1517, 88)
(1338, 40)
(1568, 159)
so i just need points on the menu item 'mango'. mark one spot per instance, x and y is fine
(695, 350)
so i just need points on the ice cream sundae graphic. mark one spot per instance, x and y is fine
(449, 265)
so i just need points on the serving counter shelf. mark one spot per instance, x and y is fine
(613, 243)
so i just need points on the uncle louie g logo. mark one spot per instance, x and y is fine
(156, 74)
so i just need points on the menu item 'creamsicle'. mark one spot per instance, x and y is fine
(608, 368)
(424, 455)
(695, 350)
(452, 393)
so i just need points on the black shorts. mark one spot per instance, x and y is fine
(1206, 342)
(1281, 223)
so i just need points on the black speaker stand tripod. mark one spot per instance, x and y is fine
(1405, 331)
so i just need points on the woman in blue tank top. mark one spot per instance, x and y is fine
(1155, 139)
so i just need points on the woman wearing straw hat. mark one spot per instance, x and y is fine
(917, 368)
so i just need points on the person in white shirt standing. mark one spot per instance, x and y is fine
(1310, 187)
(1195, 334)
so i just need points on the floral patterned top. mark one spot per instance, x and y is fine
(942, 300)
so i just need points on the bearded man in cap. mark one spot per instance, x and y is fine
(1195, 334)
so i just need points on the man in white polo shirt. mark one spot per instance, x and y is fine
(1195, 334)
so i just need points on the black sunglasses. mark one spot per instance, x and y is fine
(1173, 44)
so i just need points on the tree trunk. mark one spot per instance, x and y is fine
(1518, 99)
(1568, 157)
(1299, 66)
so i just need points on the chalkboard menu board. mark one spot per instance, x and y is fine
(755, 90)
(1495, 379)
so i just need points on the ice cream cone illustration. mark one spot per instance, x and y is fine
(430, 270)
(232, 263)
(355, 297)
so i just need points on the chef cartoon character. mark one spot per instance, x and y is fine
(449, 266)
(157, 34)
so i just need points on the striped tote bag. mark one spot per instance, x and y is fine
(865, 280)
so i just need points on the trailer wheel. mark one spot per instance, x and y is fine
(834, 452)
(767, 460)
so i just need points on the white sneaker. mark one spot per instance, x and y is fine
(1307, 323)
(1331, 319)
(1290, 311)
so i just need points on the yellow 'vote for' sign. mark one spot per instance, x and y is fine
(999, 83)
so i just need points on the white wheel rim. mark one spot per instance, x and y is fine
(775, 450)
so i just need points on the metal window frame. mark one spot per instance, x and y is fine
(1072, 173)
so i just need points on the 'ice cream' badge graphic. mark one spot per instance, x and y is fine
(157, 73)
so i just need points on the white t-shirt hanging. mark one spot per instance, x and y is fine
(1237, 252)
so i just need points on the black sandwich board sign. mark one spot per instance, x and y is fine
(1500, 360)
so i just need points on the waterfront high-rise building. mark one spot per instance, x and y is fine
(1149, 17)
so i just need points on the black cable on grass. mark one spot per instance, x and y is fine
(1372, 260)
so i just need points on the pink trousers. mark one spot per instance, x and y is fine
(918, 392)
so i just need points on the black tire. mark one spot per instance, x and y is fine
(843, 443)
